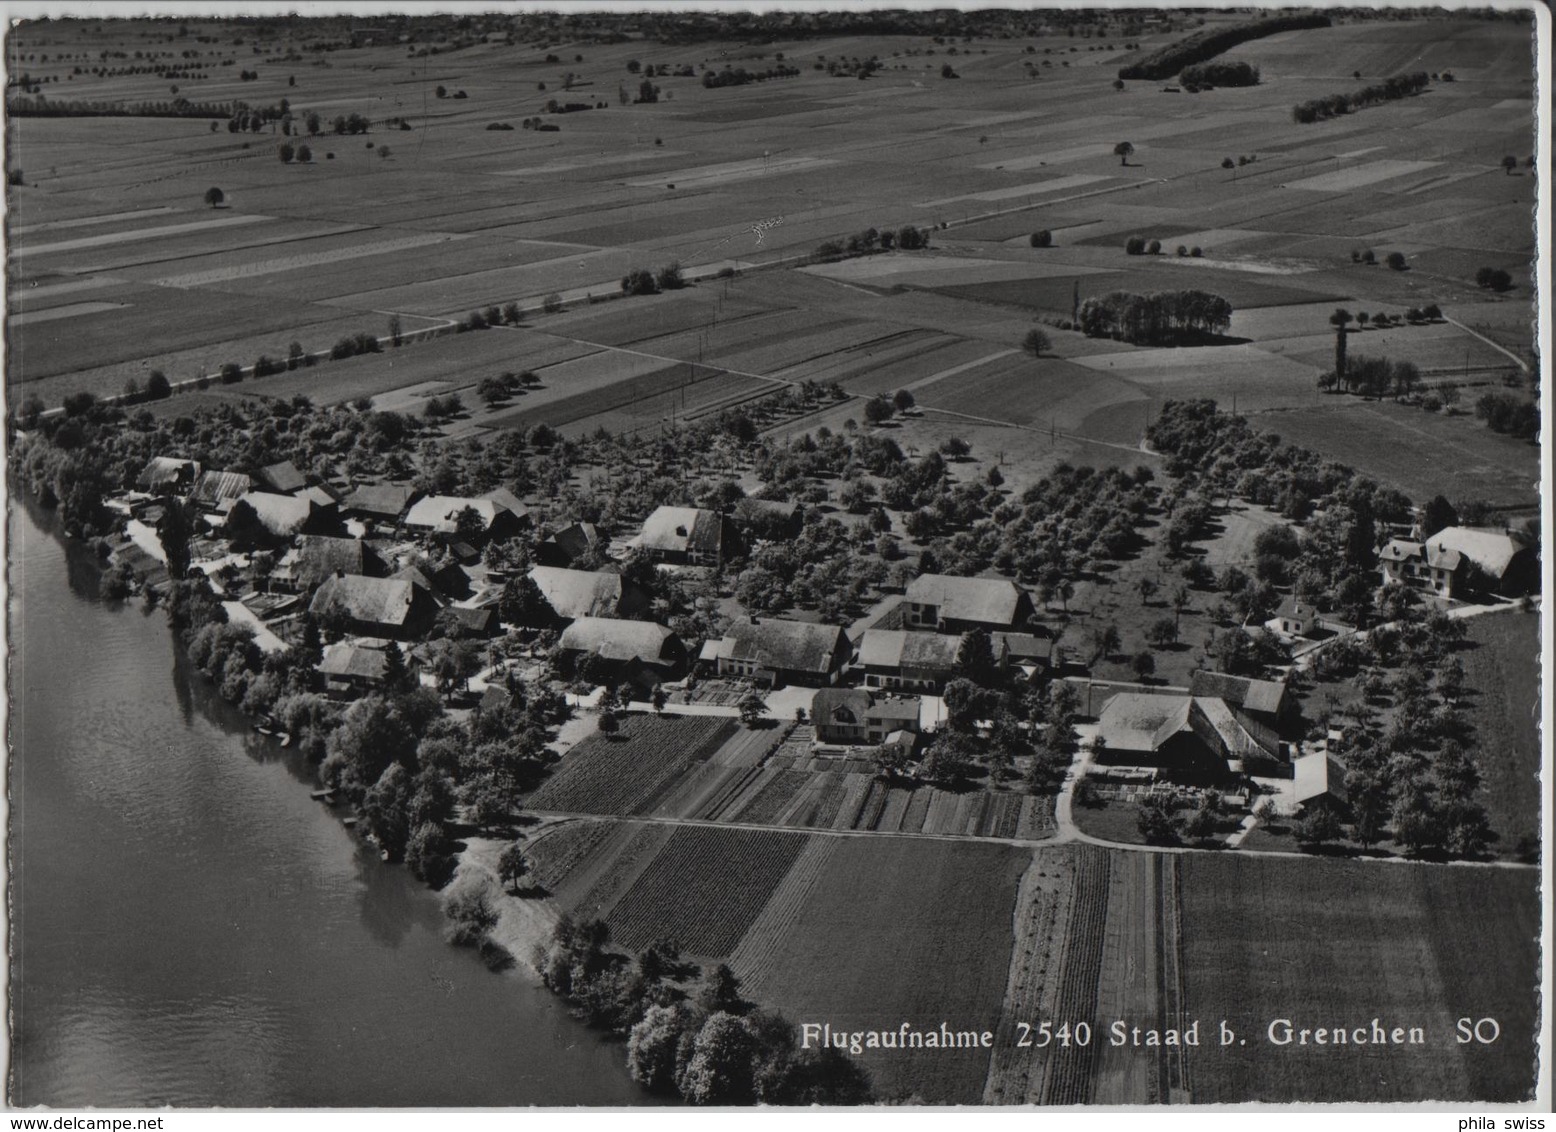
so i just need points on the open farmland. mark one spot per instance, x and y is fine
(1339, 943)
(624, 773)
(1502, 670)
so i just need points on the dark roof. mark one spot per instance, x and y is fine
(1240, 691)
(899, 648)
(283, 477)
(575, 540)
(320, 557)
(495, 698)
(166, 471)
(846, 707)
(579, 593)
(353, 660)
(793, 646)
(476, 620)
(374, 601)
(380, 499)
(683, 530)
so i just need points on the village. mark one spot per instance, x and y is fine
(391, 581)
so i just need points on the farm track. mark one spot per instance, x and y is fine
(821, 830)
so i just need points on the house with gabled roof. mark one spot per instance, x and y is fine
(316, 558)
(354, 668)
(569, 544)
(588, 593)
(856, 716)
(283, 478)
(1319, 781)
(1196, 738)
(262, 518)
(217, 491)
(375, 607)
(1294, 618)
(906, 661)
(1458, 562)
(777, 652)
(691, 536)
(943, 603)
(381, 502)
(168, 475)
(439, 515)
(638, 652)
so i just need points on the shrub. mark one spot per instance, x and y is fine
(670, 278)
(639, 281)
(1154, 248)
(551, 303)
(231, 373)
(157, 386)
(1182, 251)
(1041, 239)
(1369, 256)
(1396, 261)
(471, 907)
(1135, 245)
(1195, 252)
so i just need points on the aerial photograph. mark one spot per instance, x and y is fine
(620, 555)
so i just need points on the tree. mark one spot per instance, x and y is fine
(659, 698)
(975, 658)
(752, 709)
(552, 303)
(304, 154)
(1122, 151)
(948, 761)
(1036, 342)
(512, 866)
(214, 196)
(720, 1069)
(1396, 261)
(1509, 163)
(877, 410)
(1157, 820)
(468, 525)
(1042, 238)
(1105, 642)
(654, 1046)
(608, 721)
(157, 386)
(1162, 632)
(1144, 665)
(286, 153)
(1340, 320)
(1317, 826)
(891, 761)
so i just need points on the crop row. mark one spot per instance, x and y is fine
(552, 856)
(704, 888)
(626, 773)
(1071, 1072)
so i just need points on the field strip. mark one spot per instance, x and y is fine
(860, 789)
(585, 163)
(954, 370)
(751, 955)
(1051, 157)
(49, 314)
(307, 259)
(1521, 363)
(89, 221)
(1128, 979)
(1370, 173)
(1034, 189)
(732, 171)
(49, 290)
(138, 234)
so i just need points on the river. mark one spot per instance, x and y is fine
(190, 929)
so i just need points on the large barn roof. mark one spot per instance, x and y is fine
(992, 601)
(794, 646)
(376, 601)
(617, 640)
(578, 593)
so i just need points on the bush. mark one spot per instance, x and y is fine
(1154, 248)
(471, 907)
(670, 278)
(231, 373)
(1135, 245)
(1041, 239)
(639, 281)
(1494, 278)
(552, 303)
(157, 386)
(1396, 261)
(1195, 252)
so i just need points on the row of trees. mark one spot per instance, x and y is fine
(642, 281)
(1168, 61)
(872, 240)
(1154, 319)
(696, 1038)
(1332, 106)
(1205, 75)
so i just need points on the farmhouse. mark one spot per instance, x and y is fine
(1294, 618)
(380, 502)
(318, 557)
(439, 515)
(946, 604)
(777, 652)
(165, 475)
(1260, 703)
(377, 607)
(1031, 655)
(588, 593)
(283, 478)
(1462, 561)
(1320, 781)
(261, 518)
(566, 547)
(217, 491)
(768, 518)
(915, 662)
(637, 652)
(855, 716)
(351, 669)
(1196, 738)
(690, 536)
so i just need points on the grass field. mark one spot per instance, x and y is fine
(1338, 943)
(1503, 672)
(1422, 454)
(899, 930)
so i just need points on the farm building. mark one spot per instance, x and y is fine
(1031, 655)
(377, 607)
(777, 652)
(768, 518)
(855, 716)
(166, 475)
(570, 545)
(689, 536)
(636, 652)
(427, 581)
(1294, 618)
(505, 498)
(945, 604)
(216, 491)
(283, 478)
(1462, 561)
(439, 515)
(480, 623)
(588, 593)
(355, 668)
(1262, 704)
(260, 518)
(380, 502)
(1320, 781)
(318, 557)
(915, 662)
(1194, 738)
